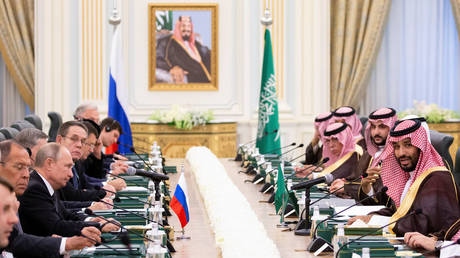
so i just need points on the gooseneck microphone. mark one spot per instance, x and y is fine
(442, 247)
(286, 152)
(338, 189)
(414, 212)
(317, 242)
(131, 148)
(97, 243)
(280, 148)
(116, 199)
(152, 175)
(265, 134)
(125, 196)
(319, 164)
(91, 213)
(328, 178)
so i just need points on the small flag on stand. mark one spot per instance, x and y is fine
(179, 201)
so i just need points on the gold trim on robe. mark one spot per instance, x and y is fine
(336, 164)
(408, 200)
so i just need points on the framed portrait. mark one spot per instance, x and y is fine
(183, 47)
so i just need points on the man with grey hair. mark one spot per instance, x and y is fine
(32, 139)
(87, 111)
(14, 168)
(41, 211)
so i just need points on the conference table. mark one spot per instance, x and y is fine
(202, 242)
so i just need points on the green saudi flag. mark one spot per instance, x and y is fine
(267, 141)
(281, 194)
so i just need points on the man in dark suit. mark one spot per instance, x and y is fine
(14, 164)
(41, 213)
(73, 135)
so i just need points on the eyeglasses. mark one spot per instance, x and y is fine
(90, 145)
(76, 139)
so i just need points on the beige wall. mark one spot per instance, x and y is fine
(72, 54)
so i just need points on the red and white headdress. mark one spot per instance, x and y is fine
(392, 174)
(387, 116)
(322, 121)
(342, 132)
(350, 117)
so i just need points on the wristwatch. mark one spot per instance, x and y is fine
(438, 245)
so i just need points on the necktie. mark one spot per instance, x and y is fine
(75, 179)
(56, 200)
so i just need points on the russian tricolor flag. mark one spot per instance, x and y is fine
(179, 201)
(118, 94)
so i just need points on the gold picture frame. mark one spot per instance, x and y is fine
(183, 47)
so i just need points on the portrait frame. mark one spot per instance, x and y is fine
(160, 78)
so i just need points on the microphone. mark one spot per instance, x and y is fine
(122, 238)
(125, 196)
(117, 199)
(300, 156)
(265, 134)
(328, 178)
(152, 175)
(131, 148)
(280, 148)
(320, 163)
(286, 152)
(117, 176)
(338, 189)
(442, 247)
(97, 243)
(317, 242)
(414, 212)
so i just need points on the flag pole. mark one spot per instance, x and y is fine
(115, 19)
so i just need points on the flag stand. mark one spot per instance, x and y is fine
(183, 235)
(283, 223)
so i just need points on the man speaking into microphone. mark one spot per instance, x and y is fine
(416, 179)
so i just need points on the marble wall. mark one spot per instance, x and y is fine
(73, 41)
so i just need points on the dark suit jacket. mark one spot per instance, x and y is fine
(43, 215)
(95, 167)
(25, 245)
(83, 195)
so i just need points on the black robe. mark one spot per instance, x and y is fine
(438, 200)
(170, 53)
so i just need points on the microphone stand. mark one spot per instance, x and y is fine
(317, 242)
(91, 213)
(97, 243)
(417, 211)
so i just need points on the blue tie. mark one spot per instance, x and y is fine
(75, 178)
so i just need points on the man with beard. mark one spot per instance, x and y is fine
(184, 58)
(417, 180)
(376, 133)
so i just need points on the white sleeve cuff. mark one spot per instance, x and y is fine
(62, 247)
(371, 192)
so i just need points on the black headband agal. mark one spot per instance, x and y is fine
(352, 112)
(336, 131)
(323, 118)
(382, 116)
(406, 131)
